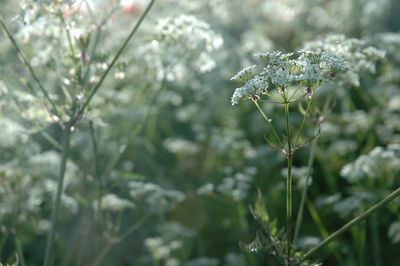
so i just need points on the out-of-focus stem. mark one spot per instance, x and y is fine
(25, 61)
(376, 246)
(353, 222)
(115, 59)
(304, 192)
(57, 200)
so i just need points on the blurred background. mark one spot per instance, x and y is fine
(162, 169)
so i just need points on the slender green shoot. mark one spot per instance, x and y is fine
(268, 120)
(304, 192)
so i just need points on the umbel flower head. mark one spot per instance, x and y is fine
(283, 70)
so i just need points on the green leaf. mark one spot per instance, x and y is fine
(132, 176)
(256, 245)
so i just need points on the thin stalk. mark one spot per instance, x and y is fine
(294, 93)
(376, 245)
(96, 169)
(96, 41)
(39, 129)
(303, 121)
(98, 215)
(360, 236)
(115, 59)
(276, 99)
(25, 61)
(316, 219)
(56, 205)
(269, 123)
(304, 192)
(289, 154)
(20, 251)
(299, 98)
(321, 228)
(50, 139)
(67, 33)
(353, 222)
(18, 246)
(112, 242)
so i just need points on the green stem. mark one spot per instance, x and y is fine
(114, 60)
(56, 205)
(269, 123)
(50, 139)
(303, 121)
(20, 251)
(112, 242)
(316, 219)
(67, 33)
(96, 170)
(360, 242)
(321, 228)
(304, 192)
(353, 222)
(98, 215)
(376, 245)
(98, 31)
(289, 154)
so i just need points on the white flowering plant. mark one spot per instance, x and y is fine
(285, 80)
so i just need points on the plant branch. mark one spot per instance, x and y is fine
(303, 121)
(304, 192)
(269, 123)
(28, 65)
(353, 222)
(113, 241)
(322, 229)
(115, 59)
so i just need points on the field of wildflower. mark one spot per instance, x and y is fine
(199, 132)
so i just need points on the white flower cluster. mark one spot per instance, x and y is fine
(13, 133)
(160, 249)
(156, 197)
(112, 202)
(181, 146)
(188, 30)
(353, 203)
(32, 183)
(236, 186)
(244, 74)
(250, 88)
(179, 42)
(281, 70)
(373, 165)
(299, 174)
(391, 43)
(171, 239)
(359, 55)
